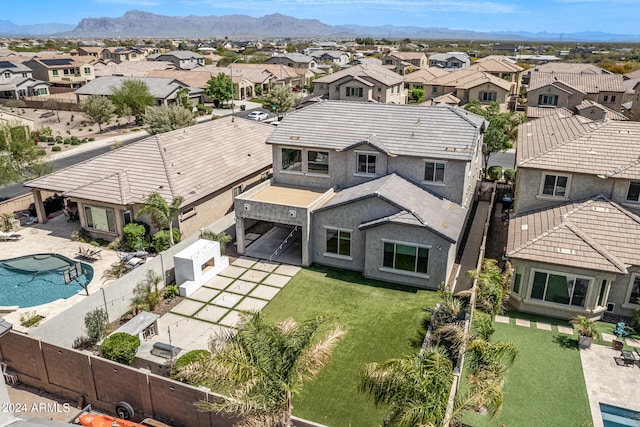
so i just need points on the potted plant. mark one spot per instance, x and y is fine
(586, 330)
(620, 332)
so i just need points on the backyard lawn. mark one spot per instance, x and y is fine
(382, 320)
(545, 385)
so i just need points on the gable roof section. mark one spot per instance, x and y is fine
(594, 233)
(539, 112)
(569, 68)
(368, 72)
(608, 149)
(466, 79)
(192, 162)
(425, 75)
(160, 88)
(585, 82)
(415, 206)
(608, 112)
(440, 131)
(495, 65)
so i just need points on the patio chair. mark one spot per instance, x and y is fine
(10, 377)
(10, 237)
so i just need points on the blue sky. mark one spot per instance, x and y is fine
(558, 16)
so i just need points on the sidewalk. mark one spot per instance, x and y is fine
(471, 251)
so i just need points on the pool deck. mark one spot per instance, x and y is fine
(608, 380)
(53, 237)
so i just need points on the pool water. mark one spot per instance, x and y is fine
(38, 279)
(614, 416)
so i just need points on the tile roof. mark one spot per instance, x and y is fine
(467, 78)
(493, 65)
(425, 75)
(332, 53)
(442, 131)
(446, 56)
(568, 67)
(447, 98)
(367, 72)
(609, 113)
(131, 68)
(609, 149)
(182, 54)
(538, 112)
(14, 67)
(159, 88)
(585, 82)
(295, 57)
(633, 75)
(415, 205)
(277, 70)
(407, 56)
(595, 234)
(192, 162)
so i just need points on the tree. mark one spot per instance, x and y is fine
(263, 365)
(96, 322)
(222, 238)
(163, 119)
(132, 93)
(502, 130)
(414, 388)
(161, 213)
(182, 98)
(219, 87)
(417, 94)
(98, 109)
(19, 157)
(279, 100)
(52, 105)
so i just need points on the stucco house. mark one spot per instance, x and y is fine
(17, 82)
(469, 85)
(569, 90)
(405, 62)
(382, 189)
(123, 53)
(573, 237)
(502, 67)
(164, 90)
(61, 71)
(362, 83)
(184, 59)
(450, 61)
(198, 163)
(337, 57)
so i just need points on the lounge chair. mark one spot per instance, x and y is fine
(88, 253)
(10, 236)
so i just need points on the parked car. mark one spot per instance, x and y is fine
(258, 115)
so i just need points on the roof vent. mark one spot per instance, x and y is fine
(450, 149)
(566, 251)
(623, 131)
(600, 209)
(524, 227)
(294, 138)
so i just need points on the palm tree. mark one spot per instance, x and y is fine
(416, 388)
(161, 213)
(262, 366)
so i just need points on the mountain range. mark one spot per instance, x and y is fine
(137, 23)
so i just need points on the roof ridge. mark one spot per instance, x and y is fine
(163, 157)
(596, 246)
(123, 179)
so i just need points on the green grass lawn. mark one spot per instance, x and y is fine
(382, 320)
(545, 386)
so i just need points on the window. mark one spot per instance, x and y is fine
(237, 191)
(434, 90)
(127, 217)
(516, 283)
(100, 219)
(555, 185)
(355, 91)
(291, 159)
(548, 100)
(559, 288)
(633, 194)
(87, 70)
(487, 96)
(366, 164)
(42, 91)
(54, 72)
(339, 242)
(318, 162)
(379, 89)
(25, 75)
(606, 98)
(337, 88)
(406, 257)
(603, 292)
(455, 64)
(434, 172)
(613, 98)
(634, 297)
(7, 75)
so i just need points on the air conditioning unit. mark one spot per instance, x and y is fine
(292, 213)
(247, 207)
(610, 307)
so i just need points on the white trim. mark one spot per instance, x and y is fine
(317, 175)
(532, 273)
(338, 256)
(188, 213)
(407, 243)
(367, 153)
(286, 171)
(404, 272)
(329, 227)
(627, 303)
(567, 189)
(435, 162)
(626, 194)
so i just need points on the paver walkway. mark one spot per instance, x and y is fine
(247, 284)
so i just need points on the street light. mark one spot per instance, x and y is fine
(232, 87)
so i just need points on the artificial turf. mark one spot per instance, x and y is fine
(382, 320)
(545, 386)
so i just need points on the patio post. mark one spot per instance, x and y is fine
(40, 212)
(240, 235)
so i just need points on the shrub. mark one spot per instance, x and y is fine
(189, 358)
(509, 175)
(41, 152)
(171, 291)
(494, 172)
(81, 235)
(120, 347)
(75, 142)
(96, 322)
(222, 238)
(161, 240)
(84, 140)
(58, 138)
(90, 130)
(92, 138)
(67, 141)
(30, 318)
(135, 236)
(56, 148)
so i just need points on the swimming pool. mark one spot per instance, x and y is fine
(614, 416)
(38, 279)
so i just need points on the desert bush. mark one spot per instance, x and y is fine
(96, 322)
(494, 173)
(120, 347)
(135, 236)
(161, 241)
